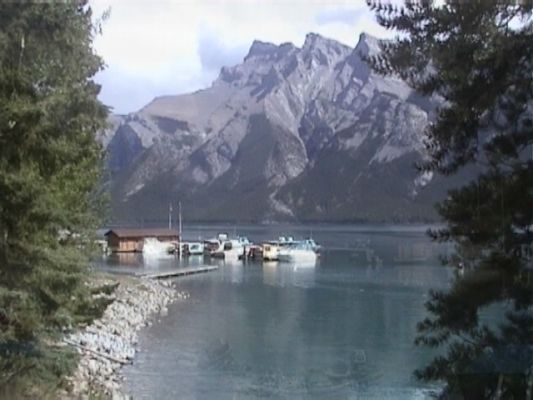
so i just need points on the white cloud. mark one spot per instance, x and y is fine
(214, 52)
(342, 15)
(161, 47)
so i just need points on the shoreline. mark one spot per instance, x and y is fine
(109, 342)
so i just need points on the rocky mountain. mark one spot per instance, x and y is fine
(291, 133)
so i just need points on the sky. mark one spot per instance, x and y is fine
(161, 47)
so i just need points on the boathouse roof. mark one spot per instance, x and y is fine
(142, 232)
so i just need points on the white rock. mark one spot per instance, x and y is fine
(115, 334)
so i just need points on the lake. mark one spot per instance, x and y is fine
(341, 329)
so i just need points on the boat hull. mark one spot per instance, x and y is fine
(297, 255)
(154, 247)
(270, 252)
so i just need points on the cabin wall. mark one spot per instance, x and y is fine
(133, 244)
(113, 242)
(130, 245)
(124, 245)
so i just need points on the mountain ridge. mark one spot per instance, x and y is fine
(291, 133)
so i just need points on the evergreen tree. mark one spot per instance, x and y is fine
(50, 164)
(477, 57)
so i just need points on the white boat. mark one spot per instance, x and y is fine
(286, 241)
(193, 248)
(299, 253)
(290, 242)
(312, 244)
(228, 249)
(154, 247)
(196, 249)
(270, 251)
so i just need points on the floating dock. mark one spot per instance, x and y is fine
(179, 272)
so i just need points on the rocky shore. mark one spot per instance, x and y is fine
(109, 342)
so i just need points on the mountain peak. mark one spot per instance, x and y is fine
(260, 48)
(271, 136)
(367, 44)
(313, 40)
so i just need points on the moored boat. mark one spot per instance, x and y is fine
(255, 252)
(300, 252)
(229, 249)
(271, 251)
(154, 247)
(196, 249)
(310, 242)
(288, 241)
(192, 248)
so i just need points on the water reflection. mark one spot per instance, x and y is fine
(125, 259)
(235, 272)
(270, 272)
(409, 252)
(159, 262)
(122, 263)
(134, 263)
(341, 329)
(289, 274)
(195, 260)
(152, 258)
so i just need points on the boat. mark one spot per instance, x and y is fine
(310, 242)
(192, 248)
(254, 252)
(270, 251)
(154, 247)
(285, 241)
(196, 249)
(224, 247)
(211, 246)
(299, 252)
(289, 241)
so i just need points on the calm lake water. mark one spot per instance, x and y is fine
(341, 329)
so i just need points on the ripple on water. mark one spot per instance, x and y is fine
(340, 330)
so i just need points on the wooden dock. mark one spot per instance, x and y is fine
(179, 272)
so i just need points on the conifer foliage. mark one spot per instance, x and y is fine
(477, 58)
(50, 164)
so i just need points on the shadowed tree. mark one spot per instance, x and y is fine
(50, 165)
(477, 57)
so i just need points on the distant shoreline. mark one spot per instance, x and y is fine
(231, 224)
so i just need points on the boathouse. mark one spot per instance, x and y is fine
(131, 240)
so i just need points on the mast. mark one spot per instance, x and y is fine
(169, 216)
(179, 217)
(179, 228)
